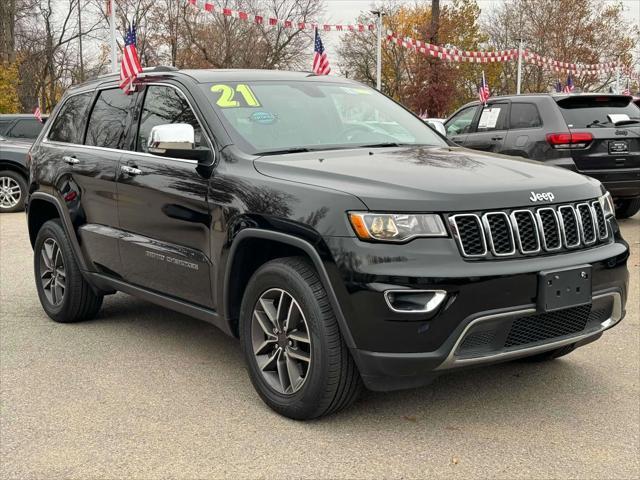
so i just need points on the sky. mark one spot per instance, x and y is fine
(346, 11)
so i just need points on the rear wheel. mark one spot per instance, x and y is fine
(296, 357)
(627, 207)
(64, 294)
(12, 191)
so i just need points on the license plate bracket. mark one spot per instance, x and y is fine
(616, 147)
(564, 288)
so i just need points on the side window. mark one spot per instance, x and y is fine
(27, 128)
(68, 125)
(524, 115)
(4, 126)
(493, 117)
(109, 119)
(461, 122)
(164, 105)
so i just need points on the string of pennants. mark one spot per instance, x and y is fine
(457, 55)
(208, 6)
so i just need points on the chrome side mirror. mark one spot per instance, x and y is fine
(173, 136)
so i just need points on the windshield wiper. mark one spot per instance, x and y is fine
(381, 145)
(631, 121)
(285, 151)
(595, 123)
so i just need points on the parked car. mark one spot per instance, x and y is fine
(21, 126)
(269, 204)
(13, 174)
(566, 130)
(437, 124)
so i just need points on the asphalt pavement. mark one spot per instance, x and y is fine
(143, 392)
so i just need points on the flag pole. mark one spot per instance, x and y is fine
(519, 80)
(114, 45)
(378, 14)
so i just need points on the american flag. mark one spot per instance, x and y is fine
(130, 65)
(320, 61)
(483, 90)
(627, 90)
(38, 114)
(568, 88)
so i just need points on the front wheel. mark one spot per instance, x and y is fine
(64, 294)
(296, 356)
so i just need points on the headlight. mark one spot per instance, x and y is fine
(396, 227)
(607, 205)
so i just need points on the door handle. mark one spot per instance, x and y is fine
(130, 170)
(70, 160)
(496, 138)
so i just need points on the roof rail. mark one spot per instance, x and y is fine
(159, 68)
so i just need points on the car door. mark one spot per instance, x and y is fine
(459, 125)
(490, 128)
(162, 206)
(84, 175)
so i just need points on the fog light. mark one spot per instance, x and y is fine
(414, 301)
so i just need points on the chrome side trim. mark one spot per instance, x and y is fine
(431, 305)
(453, 222)
(516, 230)
(487, 225)
(451, 360)
(581, 223)
(562, 226)
(543, 234)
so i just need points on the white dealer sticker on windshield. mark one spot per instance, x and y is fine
(489, 117)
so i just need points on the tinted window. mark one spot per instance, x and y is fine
(4, 126)
(164, 105)
(27, 128)
(68, 126)
(461, 122)
(493, 117)
(109, 119)
(592, 111)
(524, 115)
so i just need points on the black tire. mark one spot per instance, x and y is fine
(10, 175)
(78, 301)
(627, 207)
(551, 354)
(332, 381)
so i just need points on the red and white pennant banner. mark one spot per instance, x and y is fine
(575, 68)
(452, 54)
(274, 22)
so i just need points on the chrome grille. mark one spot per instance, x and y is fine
(530, 231)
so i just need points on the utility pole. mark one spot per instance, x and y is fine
(519, 79)
(114, 45)
(80, 43)
(379, 14)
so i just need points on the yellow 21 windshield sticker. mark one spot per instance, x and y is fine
(233, 97)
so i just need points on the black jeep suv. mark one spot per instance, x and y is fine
(594, 134)
(335, 234)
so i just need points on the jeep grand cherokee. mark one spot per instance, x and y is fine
(336, 235)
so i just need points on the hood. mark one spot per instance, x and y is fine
(445, 179)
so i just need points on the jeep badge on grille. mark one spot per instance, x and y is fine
(542, 197)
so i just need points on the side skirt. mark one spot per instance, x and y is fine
(105, 282)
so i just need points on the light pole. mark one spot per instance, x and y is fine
(379, 14)
(519, 79)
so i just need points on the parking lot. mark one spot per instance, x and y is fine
(144, 392)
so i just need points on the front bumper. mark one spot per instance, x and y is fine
(395, 350)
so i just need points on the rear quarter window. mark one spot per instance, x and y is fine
(524, 115)
(68, 125)
(591, 112)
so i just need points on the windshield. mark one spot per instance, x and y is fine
(268, 117)
(591, 112)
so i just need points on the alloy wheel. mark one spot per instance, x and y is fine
(281, 341)
(10, 192)
(52, 272)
